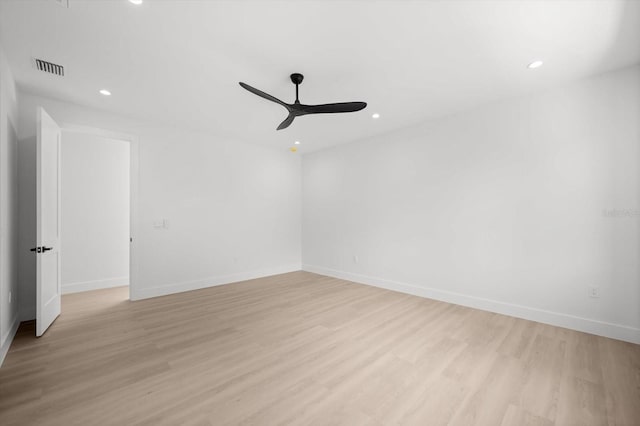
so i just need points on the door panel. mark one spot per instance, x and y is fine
(48, 274)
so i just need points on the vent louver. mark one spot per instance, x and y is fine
(50, 67)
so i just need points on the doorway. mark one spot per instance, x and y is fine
(95, 211)
(86, 152)
(76, 134)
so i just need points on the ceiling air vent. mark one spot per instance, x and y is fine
(49, 67)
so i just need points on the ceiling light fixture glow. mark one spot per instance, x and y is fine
(297, 142)
(535, 64)
(105, 92)
(375, 115)
(136, 2)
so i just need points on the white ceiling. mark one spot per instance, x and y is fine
(179, 62)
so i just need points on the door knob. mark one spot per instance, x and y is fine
(41, 249)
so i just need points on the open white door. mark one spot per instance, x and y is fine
(48, 222)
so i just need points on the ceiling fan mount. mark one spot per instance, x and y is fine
(297, 78)
(297, 109)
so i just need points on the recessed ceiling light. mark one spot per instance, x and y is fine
(375, 115)
(105, 92)
(535, 64)
(135, 1)
(297, 142)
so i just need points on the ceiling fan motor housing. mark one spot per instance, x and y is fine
(297, 78)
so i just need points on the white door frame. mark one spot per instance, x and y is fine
(133, 192)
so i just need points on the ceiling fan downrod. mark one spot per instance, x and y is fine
(296, 79)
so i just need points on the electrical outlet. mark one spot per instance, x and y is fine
(594, 292)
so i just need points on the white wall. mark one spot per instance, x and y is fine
(95, 212)
(233, 209)
(8, 208)
(501, 208)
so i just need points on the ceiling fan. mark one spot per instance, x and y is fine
(297, 109)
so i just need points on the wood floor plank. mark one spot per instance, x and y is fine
(543, 367)
(520, 417)
(581, 402)
(304, 349)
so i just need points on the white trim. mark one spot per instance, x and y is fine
(94, 285)
(600, 328)
(134, 178)
(8, 339)
(86, 130)
(145, 293)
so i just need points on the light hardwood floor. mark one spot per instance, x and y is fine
(302, 349)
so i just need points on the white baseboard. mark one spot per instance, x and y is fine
(94, 285)
(8, 339)
(600, 328)
(146, 293)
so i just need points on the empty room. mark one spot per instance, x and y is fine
(320, 212)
